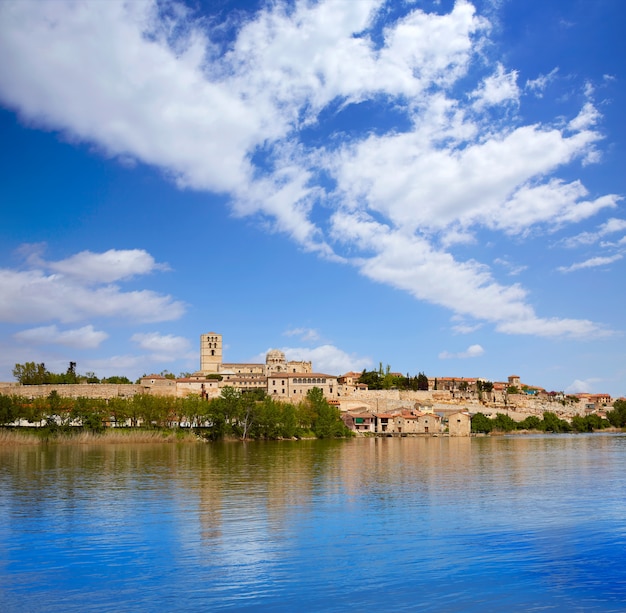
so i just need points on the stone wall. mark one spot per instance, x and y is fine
(518, 406)
(85, 390)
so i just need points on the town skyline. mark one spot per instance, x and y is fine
(437, 186)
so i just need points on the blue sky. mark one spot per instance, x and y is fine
(436, 186)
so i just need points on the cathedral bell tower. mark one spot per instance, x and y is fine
(210, 352)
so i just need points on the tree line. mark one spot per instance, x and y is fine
(32, 373)
(550, 422)
(249, 415)
(385, 379)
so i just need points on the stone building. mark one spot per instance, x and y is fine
(211, 353)
(288, 380)
(294, 386)
(460, 424)
(359, 421)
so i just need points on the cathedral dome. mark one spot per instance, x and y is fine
(274, 356)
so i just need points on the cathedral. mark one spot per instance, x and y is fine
(278, 377)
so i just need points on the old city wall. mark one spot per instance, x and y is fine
(79, 390)
(518, 406)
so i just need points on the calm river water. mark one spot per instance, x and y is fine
(534, 523)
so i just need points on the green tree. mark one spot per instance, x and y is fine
(195, 410)
(481, 423)
(91, 413)
(153, 411)
(581, 424)
(31, 373)
(222, 413)
(289, 421)
(120, 410)
(327, 422)
(8, 410)
(247, 415)
(422, 382)
(70, 374)
(617, 416)
(552, 423)
(532, 422)
(118, 380)
(504, 423)
(372, 379)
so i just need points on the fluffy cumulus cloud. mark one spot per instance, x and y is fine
(86, 337)
(579, 386)
(473, 351)
(64, 291)
(112, 265)
(269, 119)
(328, 359)
(163, 347)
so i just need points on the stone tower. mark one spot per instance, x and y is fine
(275, 362)
(210, 352)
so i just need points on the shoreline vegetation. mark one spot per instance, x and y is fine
(233, 416)
(30, 436)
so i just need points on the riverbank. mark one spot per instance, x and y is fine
(14, 437)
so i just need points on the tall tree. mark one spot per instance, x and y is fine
(31, 373)
(422, 382)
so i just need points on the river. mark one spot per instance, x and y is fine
(515, 523)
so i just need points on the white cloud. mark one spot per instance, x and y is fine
(538, 85)
(305, 334)
(326, 359)
(473, 351)
(587, 118)
(591, 263)
(513, 269)
(112, 265)
(582, 386)
(36, 295)
(416, 184)
(465, 328)
(162, 347)
(589, 238)
(80, 338)
(555, 327)
(501, 87)
(118, 75)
